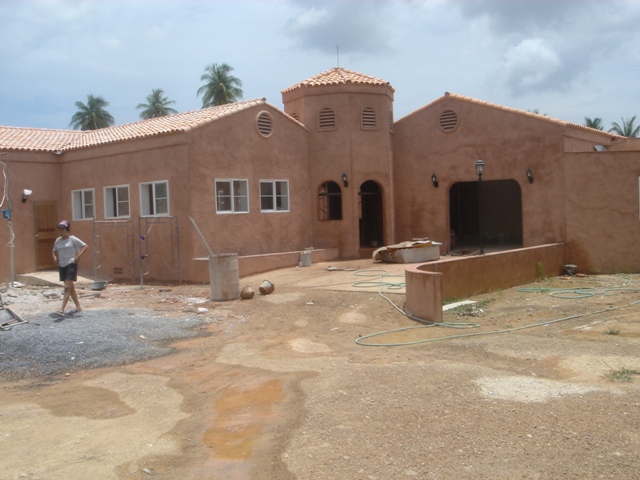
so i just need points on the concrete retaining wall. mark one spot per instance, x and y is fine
(252, 264)
(462, 277)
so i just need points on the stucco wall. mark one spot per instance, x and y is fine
(464, 277)
(235, 150)
(154, 159)
(229, 148)
(508, 143)
(361, 154)
(603, 217)
(36, 171)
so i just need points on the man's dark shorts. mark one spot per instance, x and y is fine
(70, 272)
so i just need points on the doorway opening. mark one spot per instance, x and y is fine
(371, 227)
(46, 221)
(501, 214)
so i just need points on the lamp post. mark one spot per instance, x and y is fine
(480, 171)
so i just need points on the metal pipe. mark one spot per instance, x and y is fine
(7, 193)
(201, 236)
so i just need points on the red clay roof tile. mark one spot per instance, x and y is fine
(339, 76)
(45, 140)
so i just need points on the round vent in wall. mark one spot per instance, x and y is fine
(448, 120)
(264, 122)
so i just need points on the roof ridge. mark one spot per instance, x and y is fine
(339, 76)
(517, 111)
(25, 138)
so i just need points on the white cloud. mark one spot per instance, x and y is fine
(531, 64)
(570, 58)
(309, 19)
(358, 27)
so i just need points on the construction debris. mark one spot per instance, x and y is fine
(415, 251)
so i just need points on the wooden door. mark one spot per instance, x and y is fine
(46, 219)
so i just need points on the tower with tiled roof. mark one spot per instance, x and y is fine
(349, 116)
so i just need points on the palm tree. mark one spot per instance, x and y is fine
(92, 116)
(157, 105)
(627, 129)
(593, 123)
(220, 87)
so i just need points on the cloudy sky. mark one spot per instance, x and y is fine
(568, 59)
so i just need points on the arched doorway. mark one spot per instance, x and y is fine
(501, 213)
(371, 227)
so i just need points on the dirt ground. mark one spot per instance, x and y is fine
(276, 387)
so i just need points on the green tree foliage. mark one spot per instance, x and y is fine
(627, 129)
(220, 86)
(91, 116)
(593, 123)
(157, 105)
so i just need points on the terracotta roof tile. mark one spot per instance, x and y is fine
(36, 139)
(16, 138)
(339, 76)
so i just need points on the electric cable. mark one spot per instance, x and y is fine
(381, 274)
(586, 291)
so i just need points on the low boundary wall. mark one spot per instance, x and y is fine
(461, 277)
(252, 264)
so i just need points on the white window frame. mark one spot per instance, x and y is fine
(150, 201)
(113, 204)
(236, 195)
(275, 198)
(80, 204)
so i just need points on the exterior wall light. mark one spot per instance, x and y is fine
(434, 180)
(25, 193)
(345, 180)
(529, 175)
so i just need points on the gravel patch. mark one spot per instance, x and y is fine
(48, 345)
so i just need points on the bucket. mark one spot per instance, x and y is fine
(571, 269)
(224, 277)
(247, 293)
(98, 285)
(266, 287)
(305, 259)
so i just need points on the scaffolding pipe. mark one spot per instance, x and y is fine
(7, 195)
(201, 236)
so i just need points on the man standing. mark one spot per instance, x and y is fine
(67, 250)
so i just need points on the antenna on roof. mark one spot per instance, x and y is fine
(338, 53)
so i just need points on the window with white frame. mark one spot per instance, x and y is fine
(154, 199)
(232, 196)
(116, 201)
(274, 195)
(82, 202)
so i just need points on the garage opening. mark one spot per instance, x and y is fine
(501, 214)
